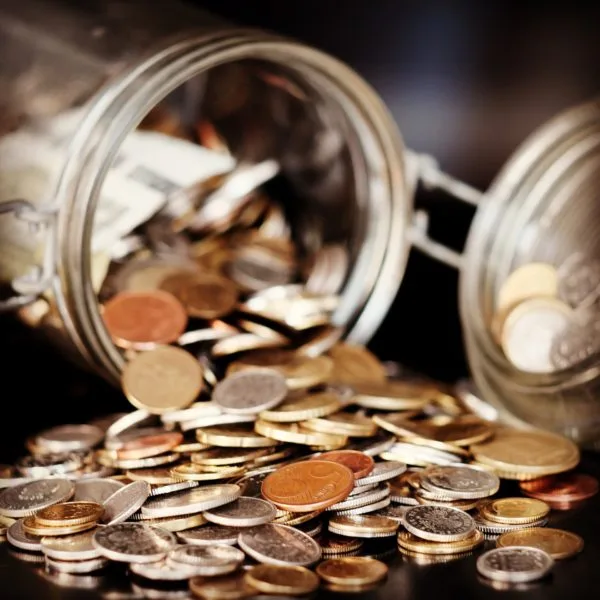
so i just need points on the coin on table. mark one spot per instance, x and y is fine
(133, 542)
(20, 538)
(363, 526)
(529, 330)
(382, 471)
(412, 543)
(557, 543)
(31, 526)
(191, 501)
(285, 580)
(78, 546)
(69, 513)
(460, 482)
(243, 512)
(96, 489)
(27, 498)
(532, 280)
(206, 561)
(309, 406)
(438, 523)
(514, 511)
(568, 488)
(522, 455)
(515, 564)
(124, 502)
(68, 438)
(294, 433)
(353, 364)
(277, 544)
(250, 392)
(210, 534)
(308, 485)
(234, 437)
(226, 587)
(359, 463)
(162, 379)
(352, 570)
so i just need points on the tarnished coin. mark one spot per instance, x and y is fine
(67, 438)
(557, 543)
(460, 482)
(19, 538)
(352, 570)
(26, 499)
(279, 545)
(210, 534)
(438, 523)
(96, 490)
(359, 463)
(124, 502)
(250, 392)
(159, 571)
(192, 501)
(279, 579)
(226, 587)
(133, 542)
(243, 512)
(382, 471)
(70, 547)
(206, 561)
(393, 511)
(69, 513)
(515, 564)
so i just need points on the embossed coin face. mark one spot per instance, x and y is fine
(515, 565)
(133, 542)
(125, 501)
(514, 511)
(250, 392)
(556, 542)
(460, 482)
(162, 379)
(27, 498)
(438, 523)
(308, 485)
(279, 545)
(69, 513)
(359, 463)
(243, 512)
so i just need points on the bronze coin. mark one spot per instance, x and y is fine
(358, 462)
(143, 320)
(564, 488)
(149, 445)
(308, 485)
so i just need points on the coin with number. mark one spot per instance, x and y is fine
(515, 564)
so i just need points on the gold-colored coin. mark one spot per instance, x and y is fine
(394, 395)
(66, 514)
(355, 364)
(233, 437)
(338, 544)
(188, 447)
(363, 525)
(30, 525)
(306, 407)
(242, 342)
(513, 511)
(6, 521)
(295, 434)
(191, 472)
(419, 558)
(342, 423)
(557, 543)
(283, 580)
(163, 379)
(227, 587)
(290, 518)
(226, 456)
(412, 543)
(525, 454)
(272, 456)
(352, 570)
(532, 280)
(179, 523)
(462, 504)
(152, 475)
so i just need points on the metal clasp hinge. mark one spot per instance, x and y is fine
(30, 286)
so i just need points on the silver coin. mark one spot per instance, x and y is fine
(515, 564)
(466, 391)
(207, 561)
(192, 501)
(159, 571)
(196, 411)
(66, 438)
(19, 538)
(146, 463)
(171, 488)
(366, 509)
(128, 421)
(277, 544)
(10, 478)
(49, 465)
(382, 471)
(78, 546)
(144, 591)
(393, 511)
(251, 483)
(381, 491)
(96, 490)
(216, 420)
(493, 528)
(209, 535)
(250, 392)
(208, 334)
(439, 523)
(312, 528)
(26, 499)
(243, 512)
(462, 482)
(419, 456)
(124, 502)
(77, 566)
(134, 542)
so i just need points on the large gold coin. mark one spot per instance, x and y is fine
(514, 511)
(69, 513)
(233, 437)
(282, 580)
(355, 364)
(523, 454)
(412, 543)
(295, 434)
(352, 570)
(162, 380)
(31, 526)
(556, 542)
(305, 407)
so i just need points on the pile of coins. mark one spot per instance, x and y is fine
(545, 318)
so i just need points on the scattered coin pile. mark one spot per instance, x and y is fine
(546, 317)
(245, 493)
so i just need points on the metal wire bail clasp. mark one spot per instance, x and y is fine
(30, 286)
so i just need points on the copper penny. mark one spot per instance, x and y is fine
(150, 445)
(308, 485)
(358, 462)
(566, 488)
(143, 320)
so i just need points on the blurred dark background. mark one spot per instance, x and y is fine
(465, 81)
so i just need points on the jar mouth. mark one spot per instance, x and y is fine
(540, 208)
(367, 208)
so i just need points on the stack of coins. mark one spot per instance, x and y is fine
(546, 318)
